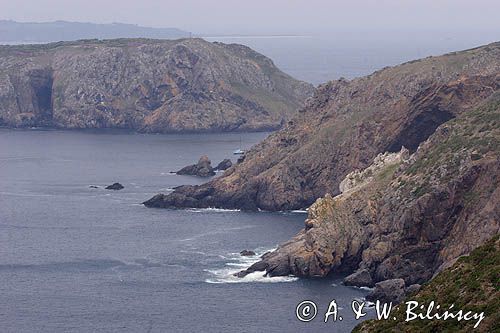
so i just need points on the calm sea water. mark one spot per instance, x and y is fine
(77, 259)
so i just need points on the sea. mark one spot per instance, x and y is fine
(75, 257)
(320, 57)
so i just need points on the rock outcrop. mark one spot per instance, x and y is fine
(406, 217)
(344, 127)
(114, 186)
(247, 253)
(201, 169)
(224, 165)
(145, 85)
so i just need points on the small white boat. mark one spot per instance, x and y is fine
(239, 151)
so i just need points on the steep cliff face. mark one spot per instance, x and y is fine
(406, 216)
(147, 85)
(344, 127)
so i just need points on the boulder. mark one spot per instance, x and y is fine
(413, 288)
(115, 186)
(247, 253)
(201, 169)
(224, 164)
(360, 278)
(388, 291)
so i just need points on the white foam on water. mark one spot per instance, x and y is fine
(300, 211)
(226, 276)
(236, 263)
(366, 288)
(212, 210)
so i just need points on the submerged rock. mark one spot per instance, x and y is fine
(201, 169)
(115, 186)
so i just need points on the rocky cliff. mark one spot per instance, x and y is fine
(405, 163)
(344, 127)
(146, 85)
(406, 216)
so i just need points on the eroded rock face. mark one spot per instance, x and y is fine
(334, 232)
(146, 85)
(409, 218)
(345, 126)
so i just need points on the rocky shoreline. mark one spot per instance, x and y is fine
(204, 167)
(406, 217)
(401, 170)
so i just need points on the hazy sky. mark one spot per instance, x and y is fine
(267, 16)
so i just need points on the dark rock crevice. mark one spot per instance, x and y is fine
(419, 129)
(41, 82)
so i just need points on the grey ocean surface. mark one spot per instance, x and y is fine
(78, 259)
(320, 58)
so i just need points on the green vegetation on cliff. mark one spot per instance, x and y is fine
(472, 284)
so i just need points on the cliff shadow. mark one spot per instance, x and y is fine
(41, 82)
(420, 128)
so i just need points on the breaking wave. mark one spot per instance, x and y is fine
(237, 262)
